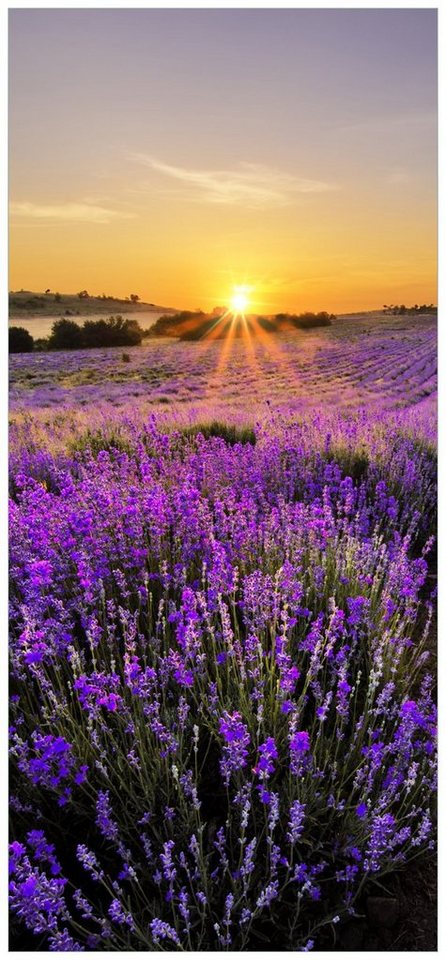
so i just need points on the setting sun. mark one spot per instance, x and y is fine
(239, 300)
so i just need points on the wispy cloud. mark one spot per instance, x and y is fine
(392, 122)
(399, 175)
(69, 212)
(250, 184)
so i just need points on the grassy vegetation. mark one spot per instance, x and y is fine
(229, 432)
(353, 463)
(25, 303)
(93, 442)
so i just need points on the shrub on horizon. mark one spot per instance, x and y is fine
(65, 335)
(112, 332)
(20, 340)
(306, 321)
(173, 325)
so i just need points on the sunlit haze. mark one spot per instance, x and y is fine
(266, 160)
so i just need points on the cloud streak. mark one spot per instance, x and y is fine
(66, 212)
(250, 184)
(392, 122)
(398, 175)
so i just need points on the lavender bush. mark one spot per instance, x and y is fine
(223, 721)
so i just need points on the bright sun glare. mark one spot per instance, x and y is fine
(239, 300)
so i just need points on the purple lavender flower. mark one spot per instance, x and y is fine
(165, 585)
(163, 931)
(267, 895)
(43, 851)
(36, 899)
(380, 842)
(296, 821)
(169, 871)
(299, 752)
(235, 750)
(50, 762)
(117, 913)
(300, 742)
(61, 941)
(267, 755)
(104, 818)
(89, 861)
(82, 904)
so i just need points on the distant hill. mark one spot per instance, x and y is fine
(26, 303)
(189, 325)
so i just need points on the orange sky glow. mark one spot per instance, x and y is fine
(178, 154)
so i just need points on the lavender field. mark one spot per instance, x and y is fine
(364, 361)
(222, 636)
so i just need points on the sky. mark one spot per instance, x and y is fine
(180, 153)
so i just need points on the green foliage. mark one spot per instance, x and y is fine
(41, 344)
(353, 461)
(425, 450)
(229, 432)
(93, 442)
(174, 325)
(305, 321)
(65, 335)
(113, 332)
(20, 341)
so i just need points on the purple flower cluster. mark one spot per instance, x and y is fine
(236, 743)
(220, 673)
(49, 761)
(36, 898)
(299, 752)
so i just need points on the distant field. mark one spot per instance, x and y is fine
(38, 311)
(362, 361)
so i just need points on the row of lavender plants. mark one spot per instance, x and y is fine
(223, 721)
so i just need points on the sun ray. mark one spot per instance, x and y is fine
(225, 352)
(268, 342)
(263, 354)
